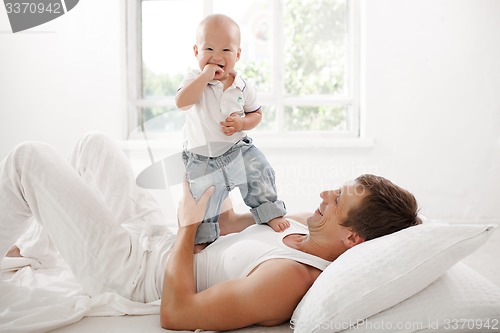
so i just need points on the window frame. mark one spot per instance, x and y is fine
(277, 138)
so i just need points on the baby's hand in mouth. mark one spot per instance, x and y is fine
(219, 71)
(216, 70)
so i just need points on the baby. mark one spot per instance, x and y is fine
(219, 106)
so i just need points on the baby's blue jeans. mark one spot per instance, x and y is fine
(243, 166)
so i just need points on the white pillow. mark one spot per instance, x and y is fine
(461, 300)
(380, 273)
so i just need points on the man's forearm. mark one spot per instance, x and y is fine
(179, 274)
(231, 222)
(178, 284)
(178, 303)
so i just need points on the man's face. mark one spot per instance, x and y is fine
(333, 210)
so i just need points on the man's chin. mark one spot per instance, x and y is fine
(310, 220)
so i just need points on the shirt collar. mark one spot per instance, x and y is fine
(238, 82)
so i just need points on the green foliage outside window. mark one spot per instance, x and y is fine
(315, 62)
(315, 51)
(315, 47)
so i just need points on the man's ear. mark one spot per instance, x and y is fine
(353, 239)
(238, 54)
(195, 50)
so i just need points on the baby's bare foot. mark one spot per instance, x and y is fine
(279, 224)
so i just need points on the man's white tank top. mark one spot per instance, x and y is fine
(236, 255)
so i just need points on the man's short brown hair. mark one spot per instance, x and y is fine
(386, 208)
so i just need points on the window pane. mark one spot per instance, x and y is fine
(162, 119)
(315, 47)
(268, 122)
(316, 118)
(310, 36)
(168, 36)
(255, 21)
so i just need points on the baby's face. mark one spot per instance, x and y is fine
(218, 45)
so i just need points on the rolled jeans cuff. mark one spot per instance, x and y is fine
(206, 233)
(268, 211)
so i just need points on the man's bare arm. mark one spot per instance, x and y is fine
(264, 297)
(230, 221)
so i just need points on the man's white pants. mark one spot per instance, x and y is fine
(99, 220)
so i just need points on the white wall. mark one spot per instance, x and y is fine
(432, 105)
(64, 78)
(431, 100)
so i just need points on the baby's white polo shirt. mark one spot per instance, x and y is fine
(202, 131)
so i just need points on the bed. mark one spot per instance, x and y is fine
(411, 281)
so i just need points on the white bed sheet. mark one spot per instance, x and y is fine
(149, 324)
(35, 299)
(26, 294)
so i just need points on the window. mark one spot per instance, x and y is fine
(301, 54)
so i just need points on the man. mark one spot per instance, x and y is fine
(109, 232)
(361, 210)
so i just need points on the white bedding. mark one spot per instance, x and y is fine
(37, 299)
